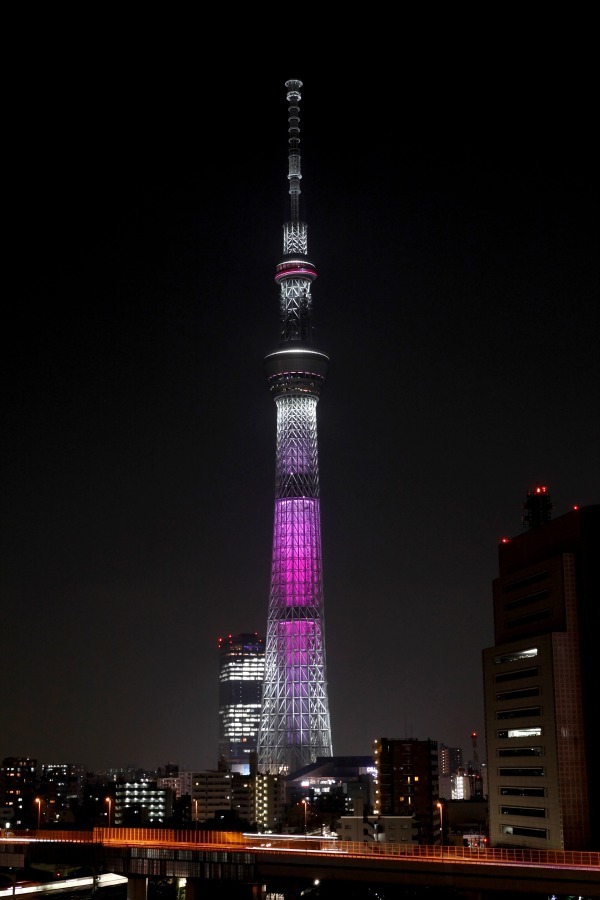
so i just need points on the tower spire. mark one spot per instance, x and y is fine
(294, 726)
(294, 173)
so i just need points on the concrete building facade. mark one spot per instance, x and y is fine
(541, 687)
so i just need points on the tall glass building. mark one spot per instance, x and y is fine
(241, 672)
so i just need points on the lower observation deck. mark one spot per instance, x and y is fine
(296, 367)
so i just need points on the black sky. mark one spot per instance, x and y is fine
(452, 211)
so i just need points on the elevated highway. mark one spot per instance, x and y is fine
(229, 864)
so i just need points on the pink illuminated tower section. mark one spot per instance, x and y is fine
(294, 725)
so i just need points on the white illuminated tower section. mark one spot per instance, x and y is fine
(294, 725)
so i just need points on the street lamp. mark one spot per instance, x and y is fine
(305, 804)
(196, 813)
(39, 806)
(109, 801)
(440, 806)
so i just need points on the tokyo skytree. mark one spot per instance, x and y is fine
(294, 723)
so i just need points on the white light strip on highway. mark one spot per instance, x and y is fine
(65, 884)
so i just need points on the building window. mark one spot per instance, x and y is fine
(522, 772)
(529, 598)
(520, 831)
(530, 672)
(522, 792)
(536, 616)
(519, 694)
(519, 733)
(525, 582)
(536, 811)
(516, 655)
(521, 713)
(521, 751)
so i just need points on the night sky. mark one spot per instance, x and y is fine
(452, 218)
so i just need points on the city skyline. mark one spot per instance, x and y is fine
(455, 236)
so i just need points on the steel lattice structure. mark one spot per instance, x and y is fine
(294, 725)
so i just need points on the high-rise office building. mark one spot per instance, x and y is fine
(269, 801)
(142, 804)
(295, 727)
(241, 673)
(450, 759)
(541, 687)
(537, 509)
(210, 794)
(18, 786)
(407, 784)
(60, 790)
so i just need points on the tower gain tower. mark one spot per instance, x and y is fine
(294, 726)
